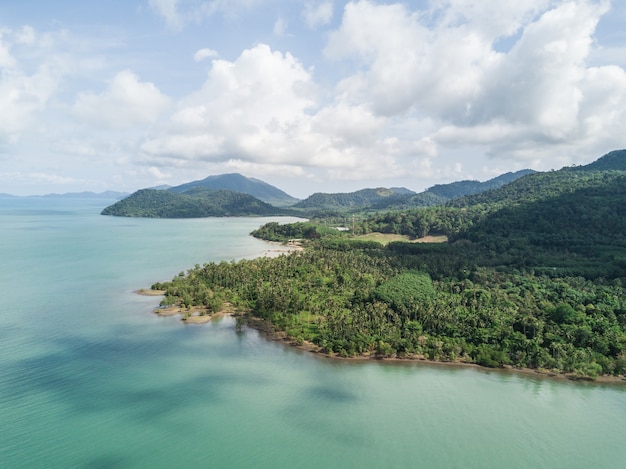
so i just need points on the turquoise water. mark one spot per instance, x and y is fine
(90, 377)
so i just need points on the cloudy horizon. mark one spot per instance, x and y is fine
(309, 96)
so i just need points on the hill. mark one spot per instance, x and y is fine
(194, 203)
(462, 188)
(88, 195)
(400, 198)
(74, 195)
(238, 183)
(360, 199)
(573, 219)
(612, 161)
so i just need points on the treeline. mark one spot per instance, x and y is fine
(571, 221)
(366, 302)
(195, 203)
(274, 231)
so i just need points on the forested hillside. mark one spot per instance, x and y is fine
(383, 199)
(533, 277)
(350, 200)
(238, 183)
(194, 203)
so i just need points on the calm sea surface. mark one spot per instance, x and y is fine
(89, 377)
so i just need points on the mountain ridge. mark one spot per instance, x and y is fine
(238, 183)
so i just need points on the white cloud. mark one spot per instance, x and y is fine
(126, 102)
(262, 110)
(246, 108)
(202, 54)
(280, 27)
(26, 35)
(168, 9)
(318, 14)
(444, 63)
(177, 13)
(23, 95)
(36, 178)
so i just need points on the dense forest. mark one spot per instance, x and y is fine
(533, 276)
(194, 203)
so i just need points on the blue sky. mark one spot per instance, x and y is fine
(311, 96)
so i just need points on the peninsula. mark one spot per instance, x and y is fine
(529, 275)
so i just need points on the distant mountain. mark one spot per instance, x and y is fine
(359, 199)
(545, 185)
(463, 188)
(238, 183)
(400, 198)
(196, 202)
(88, 195)
(74, 195)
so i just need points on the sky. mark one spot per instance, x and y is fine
(310, 96)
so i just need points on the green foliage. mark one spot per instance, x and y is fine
(321, 204)
(274, 231)
(406, 290)
(533, 278)
(238, 183)
(195, 203)
(351, 303)
(350, 200)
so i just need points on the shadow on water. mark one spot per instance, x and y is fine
(108, 461)
(330, 395)
(129, 376)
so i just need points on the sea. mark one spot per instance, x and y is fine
(90, 377)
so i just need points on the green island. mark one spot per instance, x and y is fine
(529, 275)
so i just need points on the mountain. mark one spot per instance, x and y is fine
(462, 188)
(238, 183)
(196, 202)
(401, 198)
(571, 221)
(88, 195)
(612, 161)
(75, 195)
(359, 199)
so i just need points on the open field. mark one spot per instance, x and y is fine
(385, 239)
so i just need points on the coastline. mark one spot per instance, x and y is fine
(269, 332)
(198, 315)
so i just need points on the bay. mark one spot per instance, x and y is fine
(90, 377)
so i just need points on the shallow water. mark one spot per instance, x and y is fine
(90, 377)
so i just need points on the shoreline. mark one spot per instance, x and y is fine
(269, 332)
(203, 316)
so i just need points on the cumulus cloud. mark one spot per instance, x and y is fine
(203, 54)
(445, 63)
(317, 14)
(245, 108)
(126, 102)
(23, 95)
(263, 110)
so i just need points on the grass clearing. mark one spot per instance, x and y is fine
(385, 239)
